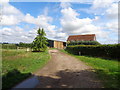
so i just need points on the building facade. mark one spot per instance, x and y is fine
(56, 44)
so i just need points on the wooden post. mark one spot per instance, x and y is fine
(80, 53)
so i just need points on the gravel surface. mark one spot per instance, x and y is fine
(65, 71)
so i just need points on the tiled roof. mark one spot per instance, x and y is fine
(88, 37)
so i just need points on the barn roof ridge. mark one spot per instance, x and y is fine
(82, 35)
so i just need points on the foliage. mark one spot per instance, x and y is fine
(24, 62)
(26, 45)
(12, 77)
(105, 51)
(107, 70)
(83, 43)
(14, 46)
(9, 46)
(40, 42)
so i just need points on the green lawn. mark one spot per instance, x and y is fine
(107, 70)
(19, 64)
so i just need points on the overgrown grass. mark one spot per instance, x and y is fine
(19, 64)
(107, 70)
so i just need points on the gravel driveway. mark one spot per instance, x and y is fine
(65, 71)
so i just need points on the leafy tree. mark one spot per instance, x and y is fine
(40, 42)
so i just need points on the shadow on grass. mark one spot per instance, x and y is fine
(12, 78)
(110, 79)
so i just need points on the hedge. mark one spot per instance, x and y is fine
(25, 45)
(83, 43)
(14, 46)
(111, 51)
(9, 46)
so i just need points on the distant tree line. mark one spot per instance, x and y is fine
(9, 46)
(26, 45)
(15, 46)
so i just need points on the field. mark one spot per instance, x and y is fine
(19, 64)
(107, 70)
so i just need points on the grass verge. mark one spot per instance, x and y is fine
(19, 64)
(106, 70)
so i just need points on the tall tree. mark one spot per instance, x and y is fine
(40, 42)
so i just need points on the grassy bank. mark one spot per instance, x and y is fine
(19, 64)
(107, 70)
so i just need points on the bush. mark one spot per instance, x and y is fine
(106, 51)
(83, 43)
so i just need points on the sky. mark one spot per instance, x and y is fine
(21, 20)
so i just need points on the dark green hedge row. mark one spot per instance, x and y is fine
(9, 46)
(106, 51)
(83, 43)
(14, 46)
(26, 45)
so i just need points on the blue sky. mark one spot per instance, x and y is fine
(37, 8)
(59, 20)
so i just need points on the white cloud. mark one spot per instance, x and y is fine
(10, 15)
(97, 18)
(112, 12)
(69, 13)
(107, 10)
(102, 3)
(4, 1)
(8, 9)
(65, 4)
(14, 17)
(104, 7)
(112, 26)
(41, 20)
(29, 19)
(71, 24)
(9, 20)
(16, 35)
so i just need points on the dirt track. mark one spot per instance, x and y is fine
(65, 71)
